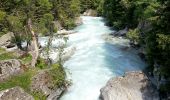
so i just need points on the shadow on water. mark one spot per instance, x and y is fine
(121, 59)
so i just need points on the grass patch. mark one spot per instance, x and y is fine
(22, 80)
(38, 96)
(26, 59)
(58, 75)
(2, 50)
(41, 63)
(7, 55)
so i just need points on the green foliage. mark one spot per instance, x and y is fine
(2, 50)
(39, 96)
(41, 64)
(58, 75)
(89, 4)
(22, 80)
(26, 59)
(163, 41)
(7, 55)
(2, 15)
(134, 35)
(150, 18)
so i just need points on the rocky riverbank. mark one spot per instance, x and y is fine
(19, 81)
(132, 86)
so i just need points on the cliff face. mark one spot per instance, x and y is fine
(133, 86)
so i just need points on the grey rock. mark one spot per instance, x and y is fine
(9, 68)
(56, 94)
(145, 26)
(90, 12)
(78, 21)
(5, 40)
(121, 32)
(133, 86)
(15, 93)
(41, 83)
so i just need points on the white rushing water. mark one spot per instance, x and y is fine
(95, 61)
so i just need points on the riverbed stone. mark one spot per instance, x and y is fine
(133, 86)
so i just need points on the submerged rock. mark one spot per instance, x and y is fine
(15, 93)
(133, 86)
(9, 68)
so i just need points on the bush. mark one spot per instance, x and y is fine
(58, 75)
(134, 35)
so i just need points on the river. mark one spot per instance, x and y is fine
(95, 60)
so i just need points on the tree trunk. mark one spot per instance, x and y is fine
(34, 45)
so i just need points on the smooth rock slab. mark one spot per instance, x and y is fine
(15, 93)
(133, 86)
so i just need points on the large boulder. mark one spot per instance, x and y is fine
(90, 12)
(15, 93)
(133, 86)
(5, 40)
(9, 68)
(42, 83)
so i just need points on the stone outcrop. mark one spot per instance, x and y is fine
(121, 32)
(9, 68)
(56, 94)
(15, 93)
(133, 86)
(42, 83)
(90, 12)
(5, 40)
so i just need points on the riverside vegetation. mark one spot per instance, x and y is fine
(147, 21)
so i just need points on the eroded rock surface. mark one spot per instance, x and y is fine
(42, 83)
(15, 93)
(133, 86)
(5, 40)
(9, 68)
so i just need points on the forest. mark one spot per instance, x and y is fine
(147, 22)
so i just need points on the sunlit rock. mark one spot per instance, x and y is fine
(133, 86)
